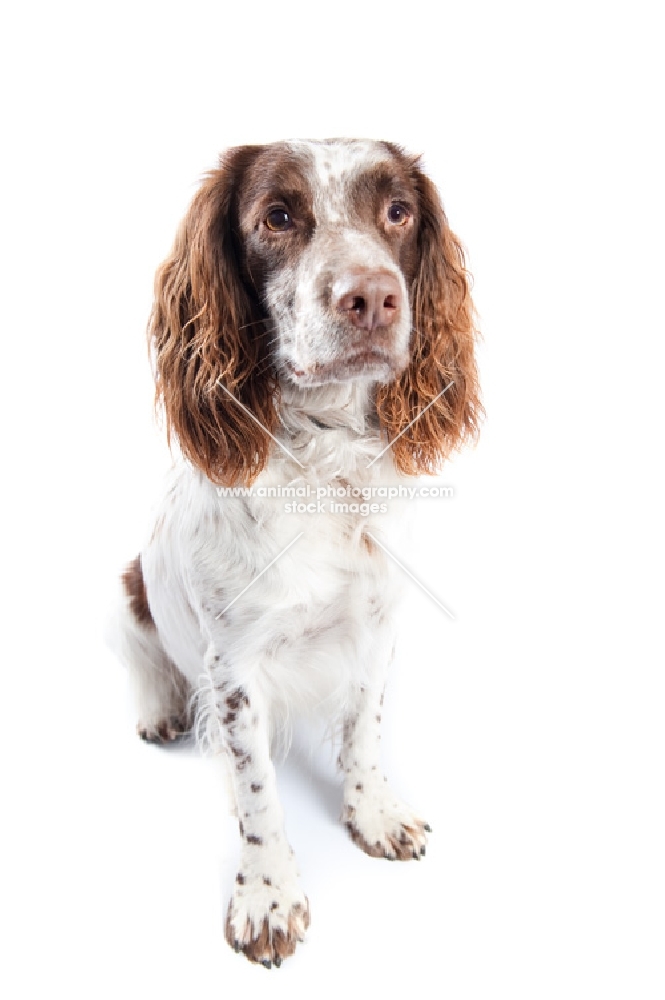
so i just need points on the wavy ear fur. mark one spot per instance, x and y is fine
(207, 336)
(442, 351)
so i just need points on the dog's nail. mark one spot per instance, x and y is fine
(422, 852)
(428, 827)
(266, 963)
(278, 962)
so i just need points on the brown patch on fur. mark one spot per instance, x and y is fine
(207, 335)
(442, 351)
(242, 757)
(134, 585)
(277, 170)
(372, 194)
(279, 174)
(236, 700)
(368, 544)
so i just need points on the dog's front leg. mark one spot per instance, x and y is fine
(382, 825)
(268, 912)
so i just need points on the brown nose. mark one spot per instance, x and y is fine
(369, 299)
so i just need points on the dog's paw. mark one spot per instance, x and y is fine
(266, 920)
(162, 731)
(382, 825)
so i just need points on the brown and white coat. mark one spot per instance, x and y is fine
(313, 309)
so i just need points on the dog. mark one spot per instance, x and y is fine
(313, 336)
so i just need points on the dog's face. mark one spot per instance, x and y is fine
(329, 241)
(314, 262)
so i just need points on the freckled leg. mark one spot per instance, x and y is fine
(376, 819)
(268, 913)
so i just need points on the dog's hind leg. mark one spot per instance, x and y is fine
(161, 692)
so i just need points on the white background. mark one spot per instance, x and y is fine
(529, 731)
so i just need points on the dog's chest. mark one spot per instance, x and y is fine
(313, 620)
(328, 566)
(294, 585)
(324, 614)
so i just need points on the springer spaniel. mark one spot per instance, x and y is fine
(313, 340)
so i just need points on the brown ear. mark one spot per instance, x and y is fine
(207, 335)
(442, 351)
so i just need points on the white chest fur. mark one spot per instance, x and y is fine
(290, 579)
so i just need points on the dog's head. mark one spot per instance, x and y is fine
(314, 262)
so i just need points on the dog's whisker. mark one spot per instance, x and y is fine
(255, 322)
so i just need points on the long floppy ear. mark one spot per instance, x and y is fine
(442, 351)
(207, 336)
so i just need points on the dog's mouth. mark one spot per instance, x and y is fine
(365, 362)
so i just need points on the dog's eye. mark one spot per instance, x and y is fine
(278, 220)
(398, 215)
